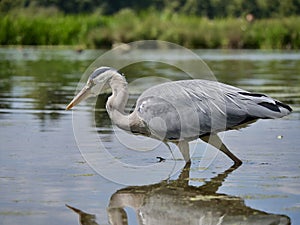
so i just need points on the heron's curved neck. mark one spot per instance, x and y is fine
(116, 103)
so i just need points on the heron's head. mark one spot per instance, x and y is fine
(98, 82)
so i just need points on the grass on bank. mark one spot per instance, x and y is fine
(98, 31)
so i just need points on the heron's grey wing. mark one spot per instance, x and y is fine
(181, 110)
(243, 106)
(191, 108)
(240, 105)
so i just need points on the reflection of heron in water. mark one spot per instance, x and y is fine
(182, 111)
(175, 202)
(84, 218)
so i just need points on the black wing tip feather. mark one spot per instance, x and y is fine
(284, 106)
(270, 106)
(252, 94)
(275, 108)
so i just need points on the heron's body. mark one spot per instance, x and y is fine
(188, 109)
(182, 110)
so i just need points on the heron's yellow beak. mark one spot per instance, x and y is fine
(82, 95)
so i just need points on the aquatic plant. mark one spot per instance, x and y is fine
(98, 31)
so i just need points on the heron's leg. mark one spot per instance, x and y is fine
(214, 140)
(185, 150)
(184, 177)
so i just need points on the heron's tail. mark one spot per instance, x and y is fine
(268, 107)
(278, 109)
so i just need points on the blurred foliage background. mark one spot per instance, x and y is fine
(266, 24)
(206, 8)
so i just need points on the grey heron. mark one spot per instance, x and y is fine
(181, 111)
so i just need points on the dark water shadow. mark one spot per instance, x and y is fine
(176, 202)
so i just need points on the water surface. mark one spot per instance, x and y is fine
(41, 168)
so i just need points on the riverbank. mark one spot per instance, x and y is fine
(98, 31)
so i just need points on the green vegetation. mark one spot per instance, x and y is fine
(204, 8)
(43, 29)
(272, 24)
(97, 30)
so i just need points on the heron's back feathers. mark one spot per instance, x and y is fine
(190, 108)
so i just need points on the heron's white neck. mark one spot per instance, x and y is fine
(116, 103)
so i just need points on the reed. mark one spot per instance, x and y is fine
(98, 31)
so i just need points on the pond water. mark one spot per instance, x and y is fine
(42, 169)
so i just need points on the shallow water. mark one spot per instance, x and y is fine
(41, 168)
